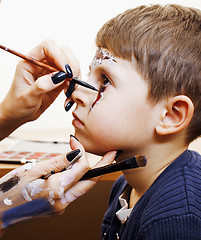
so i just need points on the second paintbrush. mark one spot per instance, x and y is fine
(133, 162)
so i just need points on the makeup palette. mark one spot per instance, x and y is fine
(29, 151)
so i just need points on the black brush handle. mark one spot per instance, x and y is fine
(115, 167)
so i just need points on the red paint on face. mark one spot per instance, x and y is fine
(102, 89)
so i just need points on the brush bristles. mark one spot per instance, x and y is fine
(141, 160)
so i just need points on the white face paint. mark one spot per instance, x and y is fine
(27, 166)
(32, 188)
(7, 202)
(35, 187)
(68, 176)
(103, 55)
(26, 195)
(65, 180)
(50, 198)
(70, 196)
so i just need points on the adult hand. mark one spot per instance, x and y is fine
(33, 90)
(25, 195)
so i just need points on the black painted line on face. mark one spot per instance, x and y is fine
(10, 183)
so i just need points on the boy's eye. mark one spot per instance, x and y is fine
(106, 80)
(105, 83)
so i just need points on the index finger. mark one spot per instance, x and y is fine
(54, 165)
(48, 49)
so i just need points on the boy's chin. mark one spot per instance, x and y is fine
(92, 148)
(95, 152)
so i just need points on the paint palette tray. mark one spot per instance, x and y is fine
(29, 151)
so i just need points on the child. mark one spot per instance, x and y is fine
(148, 70)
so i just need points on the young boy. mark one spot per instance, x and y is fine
(148, 70)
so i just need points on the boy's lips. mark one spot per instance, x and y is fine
(76, 121)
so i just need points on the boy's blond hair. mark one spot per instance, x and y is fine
(164, 43)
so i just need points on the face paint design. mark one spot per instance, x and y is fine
(71, 196)
(27, 166)
(26, 195)
(99, 97)
(14, 179)
(103, 55)
(65, 180)
(10, 183)
(32, 188)
(26, 211)
(7, 202)
(50, 198)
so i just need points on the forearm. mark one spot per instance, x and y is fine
(7, 123)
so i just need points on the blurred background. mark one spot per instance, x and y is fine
(24, 24)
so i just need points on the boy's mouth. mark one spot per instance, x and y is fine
(76, 121)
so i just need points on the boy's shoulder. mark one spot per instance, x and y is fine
(177, 191)
(181, 179)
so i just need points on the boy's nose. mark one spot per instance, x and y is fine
(83, 96)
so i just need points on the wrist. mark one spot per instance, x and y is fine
(7, 123)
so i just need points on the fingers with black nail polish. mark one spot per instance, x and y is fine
(59, 77)
(71, 135)
(69, 71)
(69, 105)
(71, 88)
(73, 154)
(73, 157)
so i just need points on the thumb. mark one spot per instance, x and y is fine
(108, 158)
(75, 144)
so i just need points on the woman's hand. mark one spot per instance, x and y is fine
(32, 90)
(26, 195)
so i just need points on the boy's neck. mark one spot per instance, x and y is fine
(141, 179)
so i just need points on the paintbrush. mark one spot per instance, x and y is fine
(47, 67)
(133, 162)
(22, 161)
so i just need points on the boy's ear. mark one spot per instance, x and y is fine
(177, 114)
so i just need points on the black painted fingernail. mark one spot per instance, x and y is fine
(59, 77)
(68, 106)
(72, 155)
(69, 71)
(71, 135)
(117, 154)
(71, 88)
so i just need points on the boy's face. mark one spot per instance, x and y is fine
(120, 118)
